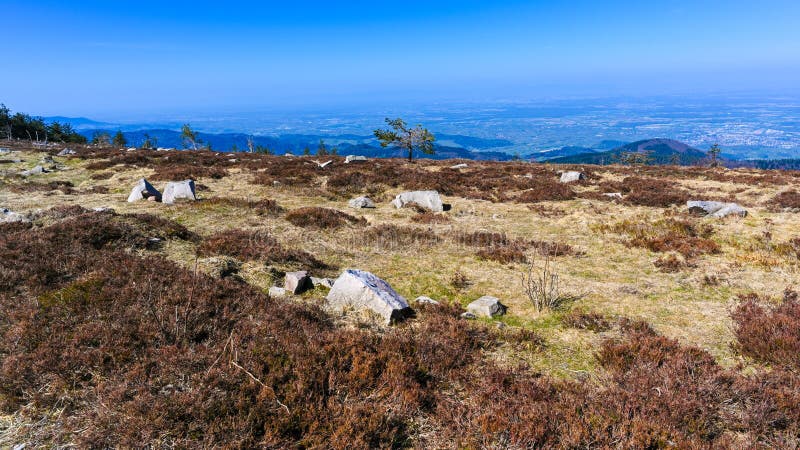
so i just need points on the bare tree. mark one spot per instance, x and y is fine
(540, 282)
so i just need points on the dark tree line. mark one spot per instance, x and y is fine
(23, 126)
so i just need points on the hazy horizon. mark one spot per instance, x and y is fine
(134, 59)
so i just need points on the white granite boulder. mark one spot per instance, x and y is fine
(325, 282)
(6, 216)
(425, 300)
(354, 158)
(569, 177)
(364, 291)
(66, 152)
(361, 202)
(178, 190)
(426, 199)
(459, 166)
(144, 191)
(297, 282)
(36, 170)
(487, 306)
(716, 209)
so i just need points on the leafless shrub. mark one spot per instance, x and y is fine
(540, 283)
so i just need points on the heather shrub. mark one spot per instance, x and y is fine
(322, 218)
(428, 217)
(187, 172)
(546, 190)
(649, 191)
(260, 207)
(255, 245)
(665, 235)
(769, 334)
(785, 200)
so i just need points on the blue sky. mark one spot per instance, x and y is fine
(136, 57)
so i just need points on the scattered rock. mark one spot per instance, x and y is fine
(325, 282)
(716, 209)
(426, 199)
(323, 165)
(426, 300)
(66, 152)
(363, 290)
(6, 216)
(4, 150)
(616, 195)
(354, 158)
(361, 202)
(37, 170)
(131, 149)
(569, 177)
(487, 306)
(297, 282)
(144, 191)
(277, 292)
(102, 209)
(178, 189)
(459, 166)
(468, 315)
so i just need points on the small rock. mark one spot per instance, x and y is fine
(716, 209)
(325, 164)
(426, 199)
(325, 282)
(144, 191)
(37, 170)
(6, 216)
(102, 209)
(179, 190)
(616, 195)
(361, 202)
(363, 290)
(297, 282)
(4, 150)
(66, 152)
(277, 292)
(468, 315)
(354, 158)
(569, 177)
(426, 300)
(459, 166)
(487, 306)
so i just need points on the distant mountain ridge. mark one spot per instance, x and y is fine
(296, 144)
(661, 151)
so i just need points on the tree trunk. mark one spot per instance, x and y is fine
(410, 153)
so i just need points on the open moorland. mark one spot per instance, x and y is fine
(148, 324)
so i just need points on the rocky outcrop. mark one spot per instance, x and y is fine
(427, 199)
(144, 191)
(716, 209)
(364, 291)
(487, 306)
(178, 190)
